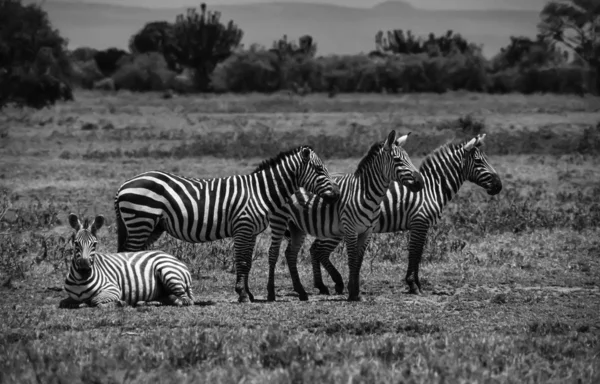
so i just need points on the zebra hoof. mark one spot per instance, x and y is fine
(323, 290)
(354, 298)
(186, 301)
(303, 297)
(243, 299)
(413, 289)
(339, 289)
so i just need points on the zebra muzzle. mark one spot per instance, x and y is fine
(332, 195)
(495, 186)
(416, 184)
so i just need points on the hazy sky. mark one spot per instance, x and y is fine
(430, 4)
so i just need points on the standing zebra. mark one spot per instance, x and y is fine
(351, 217)
(102, 279)
(444, 171)
(195, 210)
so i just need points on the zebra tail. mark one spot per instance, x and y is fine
(121, 230)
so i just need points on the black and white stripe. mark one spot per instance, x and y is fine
(196, 210)
(444, 172)
(350, 218)
(136, 278)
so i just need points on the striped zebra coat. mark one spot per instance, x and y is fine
(351, 217)
(138, 278)
(202, 210)
(444, 172)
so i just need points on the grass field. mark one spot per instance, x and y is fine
(512, 282)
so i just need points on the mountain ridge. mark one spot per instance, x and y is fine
(337, 29)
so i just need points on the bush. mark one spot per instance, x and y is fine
(31, 52)
(108, 60)
(248, 71)
(145, 72)
(85, 73)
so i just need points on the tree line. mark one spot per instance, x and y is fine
(200, 52)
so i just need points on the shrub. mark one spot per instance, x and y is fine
(248, 71)
(146, 72)
(108, 60)
(31, 52)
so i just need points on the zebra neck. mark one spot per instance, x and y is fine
(76, 276)
(274, 186)
(443, 177)
(374, 187)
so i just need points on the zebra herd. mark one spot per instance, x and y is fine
(295, 195)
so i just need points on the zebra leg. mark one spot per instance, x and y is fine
(416, 244)
(277, 233)
(319, 255)
(107, 298)
(70, 303)
(177, 287)
(297, 237)
(244, 247)
(356, 245)
(156, 233)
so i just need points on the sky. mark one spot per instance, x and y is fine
(428, 4)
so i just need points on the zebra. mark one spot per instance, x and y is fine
(444, 171)
(203, 210)
(108, 279)
(351, 217)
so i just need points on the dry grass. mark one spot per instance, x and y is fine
(512, 282)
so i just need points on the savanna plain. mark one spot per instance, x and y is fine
(511, 282)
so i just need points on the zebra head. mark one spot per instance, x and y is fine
(477, 169)
(314, 176)
(403, 169)
(85, 242)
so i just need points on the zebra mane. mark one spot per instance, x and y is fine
(443, 149)
(269, 163)
(368, 158)
(86, 223)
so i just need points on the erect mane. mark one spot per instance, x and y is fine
(444, 148)
(368, 158)
(269, 163)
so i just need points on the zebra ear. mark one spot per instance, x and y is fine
(306, 154)
(402, 139)
(471, 144)
(480, 140)
(74, 222)
(390, 140)
(97, 224)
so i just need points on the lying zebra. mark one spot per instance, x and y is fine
(136, 278)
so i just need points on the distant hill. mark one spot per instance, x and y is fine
(336, 28)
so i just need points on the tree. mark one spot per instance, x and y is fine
(524, 53)
(576, 24)
(306, 48)
(204, 41)
(108, 60)
(34, 64)
(158, 36)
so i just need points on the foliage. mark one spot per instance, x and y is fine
(289, 48)
(199, 41)
(31, 52)
(107, 61)
(204, 41)
(158, 36)
(397, 42)
(576, 24)
(525, 53)
(255, 70)
(144, 72)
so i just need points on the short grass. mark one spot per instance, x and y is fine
(512, 282)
